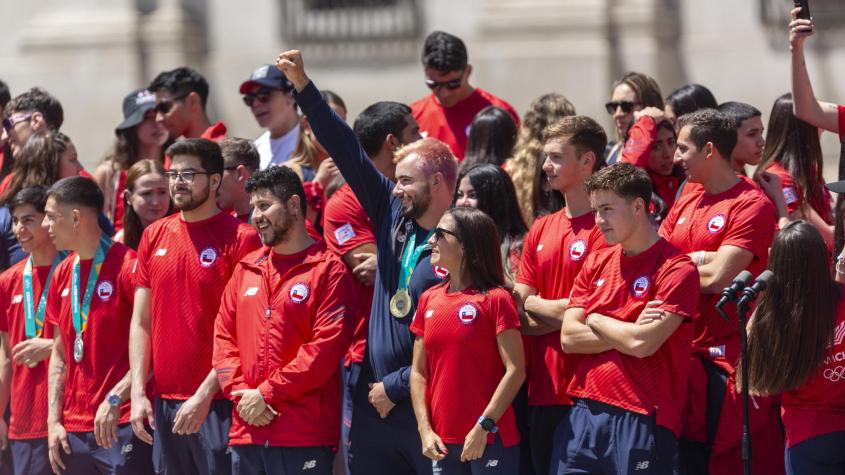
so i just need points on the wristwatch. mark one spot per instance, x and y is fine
(114, 400)
(488, 424)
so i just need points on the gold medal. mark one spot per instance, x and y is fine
(400, 303)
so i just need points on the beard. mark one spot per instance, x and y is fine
(418, 205)
(192, 201)
(277, 232)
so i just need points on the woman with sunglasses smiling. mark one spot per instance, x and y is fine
(631, 93)
(468, 358)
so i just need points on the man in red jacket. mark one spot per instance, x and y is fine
(284, 324)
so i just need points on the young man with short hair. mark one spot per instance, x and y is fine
(725, 224)
(554, 250)
(448, 111)
(267, 93)
(240, 161)
(27, 342)
(750, 139)
(629, 318)
(184, 263)
(384, 431)
(181, 99)
(285, 320)
(89, 304)
(29, 112)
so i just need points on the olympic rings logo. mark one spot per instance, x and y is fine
(835, 374)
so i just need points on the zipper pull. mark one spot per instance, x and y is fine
(267, 312)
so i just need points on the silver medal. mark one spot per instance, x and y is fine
(78, 348)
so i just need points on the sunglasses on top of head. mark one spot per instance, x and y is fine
(627, 106)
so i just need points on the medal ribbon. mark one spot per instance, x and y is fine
(410, 256)
(80, 309)
(35, 318)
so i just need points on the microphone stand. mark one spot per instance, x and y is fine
(742, 311)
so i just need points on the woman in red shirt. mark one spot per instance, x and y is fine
(468, 359)
(800, 320)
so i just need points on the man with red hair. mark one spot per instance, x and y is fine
(384, 437)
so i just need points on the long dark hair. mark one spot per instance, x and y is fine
(482, 263)
(795, 318)
(491, 139)
(795, 145)
(132, 227)
(38, 162)
(126, 149)
(496, 196)
(690, 98)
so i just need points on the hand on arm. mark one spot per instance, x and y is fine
(772, 186)
(577, 337)
(720, 267)
(528, 324)
(641, 338)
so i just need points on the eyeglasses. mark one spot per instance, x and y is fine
(186, 176)
(439, 232)
(627, 106)
(163, 107)
(450, 85)
(11, 122)
(262, 95)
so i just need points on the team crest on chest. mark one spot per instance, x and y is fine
(208, 256)
(641, 286)
(578, 250)
(467, 313)
(299, 293)
(716, 223)
(105, 290)
(440, 272)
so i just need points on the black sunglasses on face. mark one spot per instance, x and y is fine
(261, 95)
(627, 106)
(10, 122)
(451, 85)
(439, 232)
(163, 107)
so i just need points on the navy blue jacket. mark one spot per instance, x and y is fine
(390, 341)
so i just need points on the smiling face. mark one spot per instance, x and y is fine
(689, 158)
(190, 194)
(446, 251)
(60, 221)
(466, 194)
(272, 108)
(413, 187)
(272, 218)
(27, 225)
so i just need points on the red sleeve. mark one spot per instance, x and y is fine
(791, 192)
(678, 287)
(580, 294)
(248, 241)
(332, 329)
(418, 323)
(841, 110)
(141, 268)
(127, 278)
(528, 265)
(5, 293)
(752, 227)
(345, 225)
(640, 137)
(504, 311)
(667, 227)
(226, 358)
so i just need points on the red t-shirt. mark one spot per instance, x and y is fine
(105, 358)
(119, 202)
(186, 267)
(818, 406)
(459, 330)
(619, 287)
(451, 125)
(29, 385)
(743, 217)
(841, 110)
(793, 194)
(346, 226)
(553, 252)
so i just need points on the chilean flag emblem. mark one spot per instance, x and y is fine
(467, 313)
(298, 293)
(440, 272)
(641, 286)
(577, 250)
(716, 223)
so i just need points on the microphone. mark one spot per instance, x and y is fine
(749, 294)
(730, 293)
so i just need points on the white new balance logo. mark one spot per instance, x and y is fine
(161, 251)
(491, 463)
(309, 465)
(251, 291)
(641, 465)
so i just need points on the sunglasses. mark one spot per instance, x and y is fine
(262, 95)
(163, 107)
(439, 232)
(450, 85)
(11, 122)
(627, 106)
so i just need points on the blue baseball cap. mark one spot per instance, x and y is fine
(267, 75)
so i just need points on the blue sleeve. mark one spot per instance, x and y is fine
(397, 384)
(372, 189)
